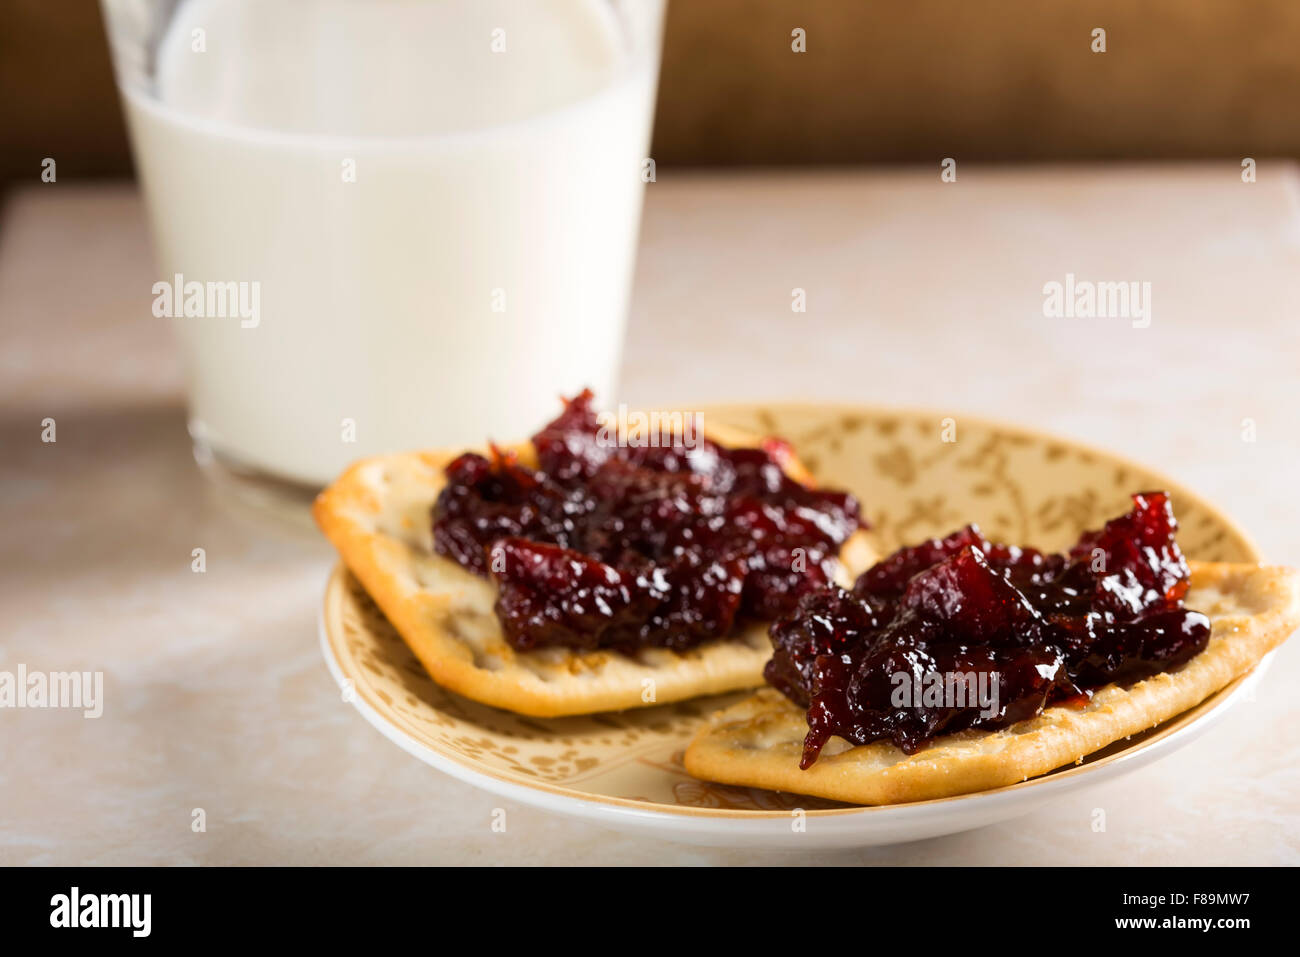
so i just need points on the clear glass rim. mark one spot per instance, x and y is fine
(643, 58)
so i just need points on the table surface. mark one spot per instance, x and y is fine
(918, 293)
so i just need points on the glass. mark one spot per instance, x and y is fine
(386, 224)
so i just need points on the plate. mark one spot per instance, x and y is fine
(918, 474)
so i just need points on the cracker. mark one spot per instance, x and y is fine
(758, 742)
(378, 515)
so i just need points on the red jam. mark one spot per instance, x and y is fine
(1029, 629)
(616, 546)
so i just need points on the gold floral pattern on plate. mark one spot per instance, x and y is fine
(918, 474)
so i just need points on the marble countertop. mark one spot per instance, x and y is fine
(918, 293)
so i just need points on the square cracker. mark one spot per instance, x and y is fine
(758, 742)
(378, 515)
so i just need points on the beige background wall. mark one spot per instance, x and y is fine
(880, 81)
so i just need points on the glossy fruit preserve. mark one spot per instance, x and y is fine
(1036, 629)
(609, 545)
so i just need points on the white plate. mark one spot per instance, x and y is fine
(624, 770)
(848, 827)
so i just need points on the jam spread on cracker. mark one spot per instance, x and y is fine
(1009, 631)
(610, 544)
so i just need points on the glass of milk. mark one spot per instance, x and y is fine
(382, 225)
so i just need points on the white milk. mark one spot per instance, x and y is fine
(477, 268)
